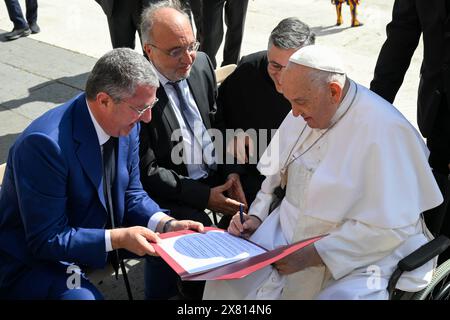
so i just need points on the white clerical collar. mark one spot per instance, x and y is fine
(101, 134)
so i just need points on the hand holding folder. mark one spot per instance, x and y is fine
(217, 255)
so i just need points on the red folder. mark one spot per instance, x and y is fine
(235, 270)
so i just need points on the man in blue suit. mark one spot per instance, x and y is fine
(54, 209)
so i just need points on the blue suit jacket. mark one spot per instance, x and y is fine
(52, 206)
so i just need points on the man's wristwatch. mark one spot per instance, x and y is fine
(167, 225)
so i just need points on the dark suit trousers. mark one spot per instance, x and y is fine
(235, 13)
(49, 280)
(124, 22)
(438, 219)
(196, 9)
(16, 15)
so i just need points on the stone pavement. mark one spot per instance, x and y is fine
(35, 77)
(46, 69)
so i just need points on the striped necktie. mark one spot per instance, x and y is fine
(196, 127)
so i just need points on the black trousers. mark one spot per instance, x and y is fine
(438, 219)
(195, 7)
(235, 13)
(16, 15)
(126, 19)
(124, 22)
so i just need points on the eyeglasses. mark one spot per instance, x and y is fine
(178, 52)
(140, 112)
(275, 66)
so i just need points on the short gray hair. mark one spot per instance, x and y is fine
(118, 73)
(291, 33)
(147, 16)
(323, 78)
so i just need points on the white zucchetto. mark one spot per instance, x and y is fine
(318, 57)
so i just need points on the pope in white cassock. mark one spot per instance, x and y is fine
(352, 167)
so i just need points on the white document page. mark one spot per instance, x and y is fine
(199, 252)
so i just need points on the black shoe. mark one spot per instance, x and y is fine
(34, 28)
(17, 33)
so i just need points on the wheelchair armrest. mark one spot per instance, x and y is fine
(424, 254)
(416, 259)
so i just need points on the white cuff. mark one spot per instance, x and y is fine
(260, 206)
(155, 219)
(108, 244)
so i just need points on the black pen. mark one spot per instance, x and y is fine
(241, 215)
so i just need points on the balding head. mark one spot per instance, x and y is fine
(169, 40)
(163, 14)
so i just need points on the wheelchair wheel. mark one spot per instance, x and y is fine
(439, 287)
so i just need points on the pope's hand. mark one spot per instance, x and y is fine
(251, 223)
(299, 260)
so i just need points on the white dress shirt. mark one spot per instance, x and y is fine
(193, 153)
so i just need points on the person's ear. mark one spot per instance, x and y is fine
(335, 92)
(103, 99)
(148, 50)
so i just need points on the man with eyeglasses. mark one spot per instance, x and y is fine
(179, 167)
(251, 100)
(71, 197)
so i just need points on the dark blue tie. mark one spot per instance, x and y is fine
(109, 175)
(109, 169)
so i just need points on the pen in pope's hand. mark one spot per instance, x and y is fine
(241, 215)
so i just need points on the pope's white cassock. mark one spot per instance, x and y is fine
(365, 182)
